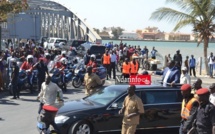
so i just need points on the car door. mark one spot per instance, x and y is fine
(113, 121)
(162, 108)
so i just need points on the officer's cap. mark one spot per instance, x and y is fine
(185, 87)
(202, 91)
(50, 108)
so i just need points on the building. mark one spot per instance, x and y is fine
(104, 35)
(152, 33)
(177, 36)
(129, 35)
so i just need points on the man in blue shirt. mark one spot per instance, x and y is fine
(153, 53)
(192, 64)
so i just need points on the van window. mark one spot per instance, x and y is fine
(58, 41)
(153, 97)
(51, 41)
(97, 49)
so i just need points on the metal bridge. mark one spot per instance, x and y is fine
(49, 19)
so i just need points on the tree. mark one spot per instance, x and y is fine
(116, 31)
(197, 13)
(11, 7)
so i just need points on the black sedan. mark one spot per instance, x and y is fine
(99, 112)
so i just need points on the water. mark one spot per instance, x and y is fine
(164, 48)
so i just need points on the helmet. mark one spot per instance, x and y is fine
(64, 61)
(63, 52)
(93, 55)
(30, 57)
(13, 60)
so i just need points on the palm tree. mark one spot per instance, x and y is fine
(197, 13)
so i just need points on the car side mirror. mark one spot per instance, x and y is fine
(114, 106)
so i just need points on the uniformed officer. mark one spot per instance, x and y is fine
(188, 109)
(106, 60)
(132, 108)
(205, 119)
(91, 81)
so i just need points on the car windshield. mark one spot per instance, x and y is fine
(97, 49)
(58, 41)
(104, 96)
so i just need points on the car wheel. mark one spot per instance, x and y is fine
(81, 127)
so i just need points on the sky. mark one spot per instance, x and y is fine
(128, 14)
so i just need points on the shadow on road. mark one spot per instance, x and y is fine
(7, 102)
(29, 100)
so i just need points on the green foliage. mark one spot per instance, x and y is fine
(11, 7)
(116, 31)
(198, 13)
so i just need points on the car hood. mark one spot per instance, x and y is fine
(77, 105)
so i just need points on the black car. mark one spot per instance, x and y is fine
(98, 51)
(99, 112)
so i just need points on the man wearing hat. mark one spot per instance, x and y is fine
(185, 78)
(188, 109)
(205, 119)
(212, 95)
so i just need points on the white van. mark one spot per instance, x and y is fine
(54, 42)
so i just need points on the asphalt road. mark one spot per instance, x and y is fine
(20, 116)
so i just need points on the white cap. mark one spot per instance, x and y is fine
(30, 56)
(184, 68)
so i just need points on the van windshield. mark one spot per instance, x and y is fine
(58, 41)
(97, 49)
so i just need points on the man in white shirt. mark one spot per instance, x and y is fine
(48, 94)
(211, 60)
(113, 63)
(212, 94)
(185, 78)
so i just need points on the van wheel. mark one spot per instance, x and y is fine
(81, 127)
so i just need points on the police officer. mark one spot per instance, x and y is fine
(126, 68)
(189, 109)
(106, 60)
(132, 108)
(91, 81)
(42, 71)
(14, 79)
(205, 119)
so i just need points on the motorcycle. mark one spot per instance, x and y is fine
(25, 80)
(57, 77)
(78, 79)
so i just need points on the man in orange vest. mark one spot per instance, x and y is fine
(106, 60)
(189, 109)
(126, 68)
(134, 67)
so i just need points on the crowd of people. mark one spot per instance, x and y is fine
(197, 106)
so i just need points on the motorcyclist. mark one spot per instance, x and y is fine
(28, 66)
(61, 65)
(92, 63)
